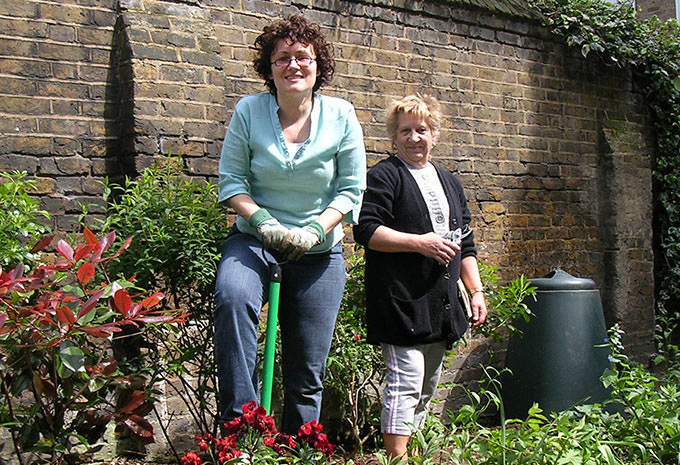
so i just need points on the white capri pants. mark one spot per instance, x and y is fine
(411, 380)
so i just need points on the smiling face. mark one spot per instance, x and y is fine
(413, 139)
(293, 78)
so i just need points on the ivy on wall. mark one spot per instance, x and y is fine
(651, 48)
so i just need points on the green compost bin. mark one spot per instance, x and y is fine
(558, 359)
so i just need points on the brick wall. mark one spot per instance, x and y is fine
(57, 98)
(662, 9)
(553, 149)
(526, 125)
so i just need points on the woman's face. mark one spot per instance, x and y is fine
(414, 140)
(293, 77)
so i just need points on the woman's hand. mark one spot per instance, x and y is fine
(431, 245)
(298, 241)
(434, 246)
(479, 310)
(272, 233)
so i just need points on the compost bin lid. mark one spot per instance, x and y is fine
(558, 280)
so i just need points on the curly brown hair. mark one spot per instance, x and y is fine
(295, 28)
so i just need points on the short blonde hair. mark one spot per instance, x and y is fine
(425, 107)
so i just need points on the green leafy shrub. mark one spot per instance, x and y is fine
(61, 384)
(177, 227)
(640, 424)
(506, 303)
(354, 370)
(19, 220)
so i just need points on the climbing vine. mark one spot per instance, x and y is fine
(651, 48)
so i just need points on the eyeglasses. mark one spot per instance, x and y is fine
(302, 61)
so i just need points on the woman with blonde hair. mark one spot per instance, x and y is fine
(415, 226)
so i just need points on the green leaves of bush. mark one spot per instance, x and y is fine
(20, 224)
(177, 225)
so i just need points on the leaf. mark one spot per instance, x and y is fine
(122, 248)
(91, 302)
(90, 237)
(65, 315)
(38, 384)
(151, 301)
(109, 368)
(3, 319)
(17, 272)
(102, 331)
(107, 240)
(138, 399)
(65, 249)
(122, 301)
(140, 428)
(156, 319)
(134, 310)
(86, 273)
(72, 357)
(83, 250)
(42, 244)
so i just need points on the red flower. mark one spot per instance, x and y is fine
(286, 440)
(311, 433)
(234, 426)
(269, 441)
(305, 430)
(191, 458)
(225, 456)
(357, 337)
(249, 406)
(256, 420)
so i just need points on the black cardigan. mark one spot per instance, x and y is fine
(410, 298)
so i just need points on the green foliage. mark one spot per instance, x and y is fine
(652, 49)
(19, 224)
(61, 384)
(354, 369)
(178, 226)
(639, 425)
(506, 303)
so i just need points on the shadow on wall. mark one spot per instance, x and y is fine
(119, 108)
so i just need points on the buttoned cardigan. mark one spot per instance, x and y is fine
(410, 299)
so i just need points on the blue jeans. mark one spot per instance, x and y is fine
(310, 296)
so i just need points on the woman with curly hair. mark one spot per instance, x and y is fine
(293, 168)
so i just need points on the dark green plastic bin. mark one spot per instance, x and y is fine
(558, 360)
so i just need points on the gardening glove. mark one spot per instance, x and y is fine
(298, 241)
(269, 228)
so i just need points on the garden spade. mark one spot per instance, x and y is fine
(270, 334)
